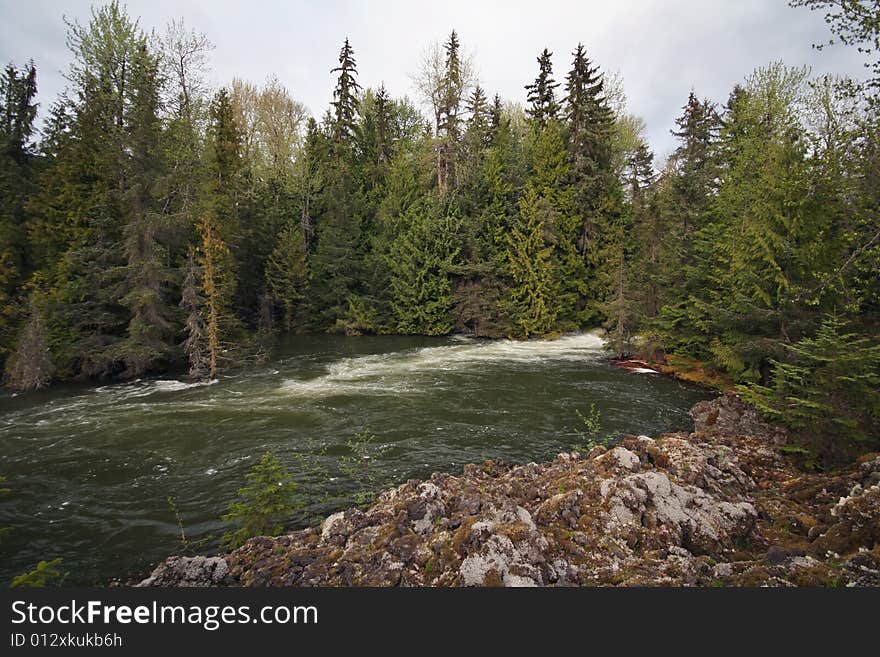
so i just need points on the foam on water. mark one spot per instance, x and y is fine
(139, 388)
(399, 372)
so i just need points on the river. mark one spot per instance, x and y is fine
(90, 468)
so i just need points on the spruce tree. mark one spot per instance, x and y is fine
(542, 92)
(451, 96)
(532, 300)
(422, 260)
(148, 340)
(287, 272)
(264, 505)
(337, 265)
(550, 179)
(596, 190)
(91, 177)
(828, 386)
(345, 95)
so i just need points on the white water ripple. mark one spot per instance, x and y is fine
(400, 372)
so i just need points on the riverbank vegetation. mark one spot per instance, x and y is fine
(155, 222)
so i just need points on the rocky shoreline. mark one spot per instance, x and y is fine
(722, 506)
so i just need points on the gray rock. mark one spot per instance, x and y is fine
(190, 572)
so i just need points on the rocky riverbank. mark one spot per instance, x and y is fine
(722, 506)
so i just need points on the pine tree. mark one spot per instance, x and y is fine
(542, 92)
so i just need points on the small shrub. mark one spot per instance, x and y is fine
(590, 430)
(356, 466)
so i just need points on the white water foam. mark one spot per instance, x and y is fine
(165, 385)
(397, 372)
(140, 388)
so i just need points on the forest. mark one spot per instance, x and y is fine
(155, 223)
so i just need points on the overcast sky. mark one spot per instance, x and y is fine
(661, 48)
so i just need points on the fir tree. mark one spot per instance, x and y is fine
(590, 123)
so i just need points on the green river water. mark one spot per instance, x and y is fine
(91, 467)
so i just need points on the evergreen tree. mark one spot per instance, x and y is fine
(345, 95)
(30, 367)
(339, 252)
(533, 297)
(595, 184)
(91, 183)
(452, 89)
(769, 217)
(648, 231)
(287, 272)
(384, 135)
(195, 346)
(828, 386)
(263, 505)
(422, 260)
(218, 289)
(542, 92)
(550, 179)
(17, 113)
(148, 339)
